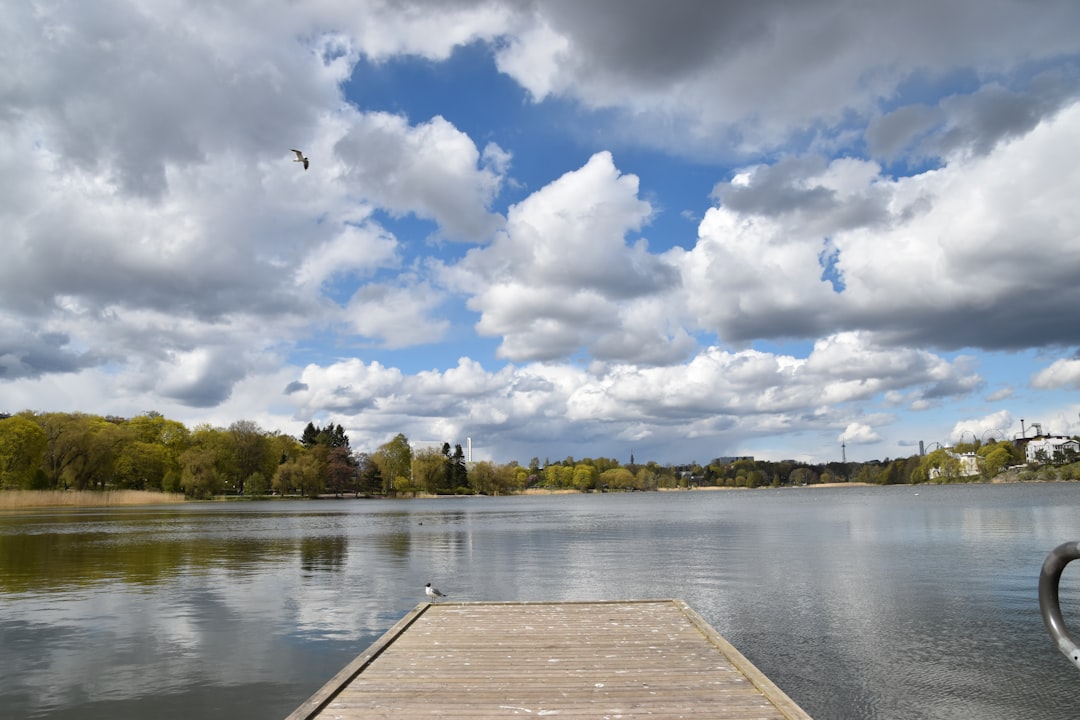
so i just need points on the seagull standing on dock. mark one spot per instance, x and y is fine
(432, 593)
(300, 157)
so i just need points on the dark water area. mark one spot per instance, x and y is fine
(892, 602)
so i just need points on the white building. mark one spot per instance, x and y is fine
(1051, 449)
(969, 465)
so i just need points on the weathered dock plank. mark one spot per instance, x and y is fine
(649, 658)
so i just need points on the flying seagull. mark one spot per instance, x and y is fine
(432, 593)
(300, 157)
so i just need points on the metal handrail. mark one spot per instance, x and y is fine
(1049, 606)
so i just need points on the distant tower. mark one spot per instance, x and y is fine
(468, 451)
(843, 451)
(631, 457)
(922, 451)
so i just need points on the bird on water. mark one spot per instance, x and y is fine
(432, 593)
(300, 157)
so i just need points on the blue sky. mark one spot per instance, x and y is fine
(684, 230)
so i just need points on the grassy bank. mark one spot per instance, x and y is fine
(14, 499)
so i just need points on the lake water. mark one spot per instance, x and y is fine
(891, 602)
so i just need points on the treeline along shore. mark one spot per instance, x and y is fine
(83, 459)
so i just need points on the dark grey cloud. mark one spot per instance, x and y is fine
(973, 122)
(643, 276)
(295, 386)
(958, 385)
(654, 43)
(792, 186)
(736, 80)
(132, 93)
(206, 392)
(206, 282)
(25, 354)
(897, 131)
(778, 189)
(635, 347)
(348, 400)
(802, 322)
(1014, 321)
(979, 121)
(204, 384)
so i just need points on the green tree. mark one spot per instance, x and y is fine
(394, 459)
(488, 478)
(282, 449)
(370, 479)
(559, 476)
(22, 445)
(892, 473)
(603, 464)
(647, 477)
(199, 475)
(341, 474)
(517, 477)
(257, 484)
(80, 449)
(96, 466)
(209, 464)
(141, 465)
(585, 477)
(996, 456)
(65, 444)
(868, 473)
(455, 473)
(939, 466)
(549, 476)
(172, 436)
(310, 437)
(429, 470)
(802, 476)
(153, 427)
(251, 451)
(910, 473)
(756, 478)
(446, 483)
(330, 436)
(617, 479)
(301, 475)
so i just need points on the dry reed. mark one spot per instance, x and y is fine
(14, 499)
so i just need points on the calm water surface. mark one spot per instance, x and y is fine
(896, 602)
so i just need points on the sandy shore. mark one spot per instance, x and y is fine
(546, 491)
(818, 485)
(703, 488)
(851, 484)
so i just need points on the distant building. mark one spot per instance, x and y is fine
(731, 459)
(1052, 450)
(969, 465)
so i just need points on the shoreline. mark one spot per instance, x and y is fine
(12, 499)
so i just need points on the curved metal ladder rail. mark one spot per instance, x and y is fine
(1049, 606)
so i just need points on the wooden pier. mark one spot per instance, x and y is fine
(627, 659)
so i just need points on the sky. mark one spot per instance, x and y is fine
(675, 230)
